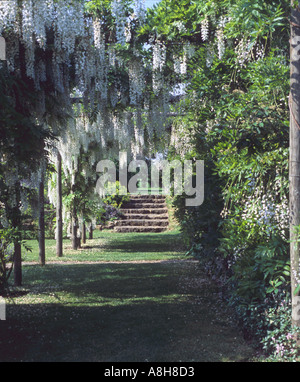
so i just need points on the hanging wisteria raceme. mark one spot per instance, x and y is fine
(183, 65)
(242, 51)
(81, 45)
(136, 81)
(260, 52)
(158, 64)
(159, 56)
(216, 45)
(75, 33)
(123, 22)
(180, 64)
(28, 23)
(70, 24)
(114, 132)
(220, 43)
(140, 10)
(39, 10)
(180, 60)
(78, 34)
(112, 56)
(118, 11)
(205, 29)
(182, 142)
(101, 62)
(127, 32)
(177, 64)
(28, 37)
(8, 14)
(264, 209)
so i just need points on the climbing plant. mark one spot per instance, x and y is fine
(235, 116)
(100, 77)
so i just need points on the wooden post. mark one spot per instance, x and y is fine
(59, 223)
(294, 160)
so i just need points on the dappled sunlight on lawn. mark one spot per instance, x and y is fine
(118, 312)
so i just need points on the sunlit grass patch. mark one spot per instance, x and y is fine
(112, 311)
(111, 246)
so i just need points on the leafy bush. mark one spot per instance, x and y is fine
(236, 120)
(109, 208)
(8, 236)
(108, 213)
(116, 195)
(269, 323)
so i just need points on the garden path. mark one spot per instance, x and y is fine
(136, 310)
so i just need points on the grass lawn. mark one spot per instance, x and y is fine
(111, 246)
(91, 307)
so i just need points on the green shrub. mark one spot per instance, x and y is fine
(8, 236)
(114, 197)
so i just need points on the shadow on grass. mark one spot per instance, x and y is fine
(105, 280)
(116, 312)
(140, 242)
(126, 333)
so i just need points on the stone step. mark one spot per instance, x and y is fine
(146, 201)
(144, 223)
(147, 211)
(138, 216)
(139, 229)
(144, 213)
(146, 197)
(144, 205)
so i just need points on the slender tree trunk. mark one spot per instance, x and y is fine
(294, 161)
(83, 233)
(17, 244)
(17, 264)
(75, 225)
(74, 222)
(91, 231)
(59, 223)
(42, 253)
(74, 233)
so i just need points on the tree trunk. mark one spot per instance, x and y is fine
(91, 231)
(83, 233)
(74, 233)
(17, 243)
(42, 253)
(74, 238)
(59, 223)
(17, 264)
(294, 162)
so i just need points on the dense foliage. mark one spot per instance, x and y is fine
(235, 116)
(82, 63)
(21, 150)
(113, 71)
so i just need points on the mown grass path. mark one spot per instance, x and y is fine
(91, 306)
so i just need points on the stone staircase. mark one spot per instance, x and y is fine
(144, 213)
